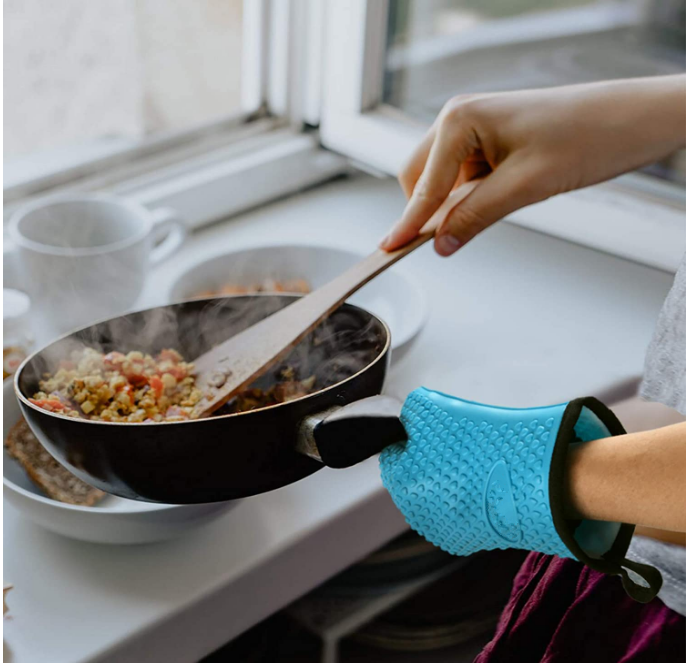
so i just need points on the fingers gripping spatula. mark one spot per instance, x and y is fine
(233, 365)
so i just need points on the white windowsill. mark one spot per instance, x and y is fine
(53, 167)
(214, 177)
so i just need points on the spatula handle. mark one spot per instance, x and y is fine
(234, 364)
(332, 295)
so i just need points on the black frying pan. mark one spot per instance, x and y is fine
(226, 456)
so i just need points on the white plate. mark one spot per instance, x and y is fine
(392, 296)
(114, 520)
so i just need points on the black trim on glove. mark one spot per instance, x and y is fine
(614, 561)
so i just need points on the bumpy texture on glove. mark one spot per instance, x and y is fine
(474, 477)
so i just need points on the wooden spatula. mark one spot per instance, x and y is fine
(233, 365)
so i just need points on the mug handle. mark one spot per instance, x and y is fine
(11, 272)
(168, 225)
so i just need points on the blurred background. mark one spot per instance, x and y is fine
(440, 48)
(78, 71)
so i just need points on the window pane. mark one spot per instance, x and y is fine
(440, 48)
(82, 71)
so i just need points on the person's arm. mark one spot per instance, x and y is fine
(531, 145)
(637, 478)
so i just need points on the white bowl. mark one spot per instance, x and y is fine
(113, 520)
(392, 296)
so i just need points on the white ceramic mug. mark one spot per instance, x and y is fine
(83, 258)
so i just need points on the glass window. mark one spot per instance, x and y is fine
(440, 48)
(85, 72)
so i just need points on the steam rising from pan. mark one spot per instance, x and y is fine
(340, 347)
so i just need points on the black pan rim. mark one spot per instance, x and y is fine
(23, 399)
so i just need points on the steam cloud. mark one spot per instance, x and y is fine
(337, 349)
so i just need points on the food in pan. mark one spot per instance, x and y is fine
(148, 386)
(133, 387)
(138, 388)
(47, 473)
(288, 387)
(297, 286)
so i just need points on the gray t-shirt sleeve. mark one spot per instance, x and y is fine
(664, 381)
(664, 369)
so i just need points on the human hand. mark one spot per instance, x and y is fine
(530, 145)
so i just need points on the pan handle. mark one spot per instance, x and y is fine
(343, 436)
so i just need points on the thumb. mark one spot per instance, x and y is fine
(500, 193)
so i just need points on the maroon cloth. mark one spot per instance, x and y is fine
(561, 611)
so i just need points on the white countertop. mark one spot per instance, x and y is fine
(516, 318)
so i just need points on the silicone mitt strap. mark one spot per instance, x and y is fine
(649, 575)
(613, 561)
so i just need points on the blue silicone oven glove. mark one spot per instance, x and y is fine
(474, 477)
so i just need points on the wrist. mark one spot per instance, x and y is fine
(637, 478)
(588, 491)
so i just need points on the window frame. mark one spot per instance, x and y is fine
(635, 216)
(221, 168)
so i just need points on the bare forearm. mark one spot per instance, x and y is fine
(637, 478)
(646, 119)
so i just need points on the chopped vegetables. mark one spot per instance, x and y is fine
(139, 388)
(133, 387)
